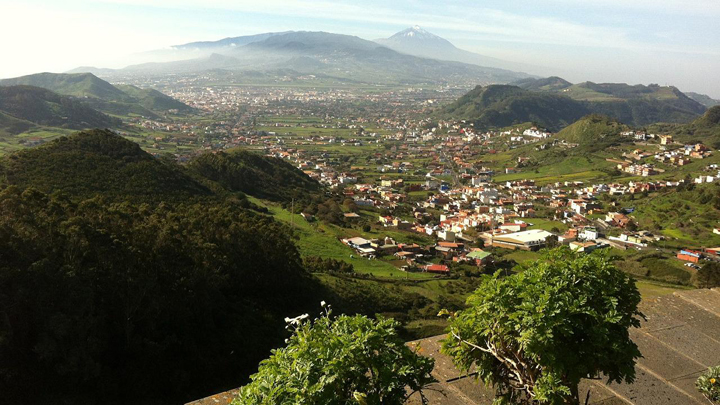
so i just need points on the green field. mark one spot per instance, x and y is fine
(316, 239)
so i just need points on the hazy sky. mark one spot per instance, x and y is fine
(636, 41)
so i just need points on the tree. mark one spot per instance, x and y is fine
(534, 335)
(342, 360)
(708, 276)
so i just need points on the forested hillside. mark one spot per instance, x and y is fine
(498, 106)
(256, 175)
(124, 277)
(101, 95)
(99, 162)
(44, 107)
(555, 103)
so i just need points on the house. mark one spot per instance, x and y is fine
(532, 239)
(584, 247)
(437, 268)
(617, 219)
(688, 255)
(446, 235)
(589, 233)
(569, 236)
(480, 257)
(513, 227)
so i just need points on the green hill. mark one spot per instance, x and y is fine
(594, 130)
(261, 176)
(154, 100)
(555, 103)
(44, 107)
(77, 85)
(10, 125)
(98, 162)
(101, 95)
(498, 106)
(552, 83)
(703, 99)
(705, 129)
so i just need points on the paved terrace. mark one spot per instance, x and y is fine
(679, 341)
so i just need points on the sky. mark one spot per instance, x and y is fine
(673, 42)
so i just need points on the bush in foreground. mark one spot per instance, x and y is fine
(709, 384)
(339, 360)
(534, 335)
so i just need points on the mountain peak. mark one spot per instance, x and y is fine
(416, 32)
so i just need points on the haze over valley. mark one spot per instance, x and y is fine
(287, 202)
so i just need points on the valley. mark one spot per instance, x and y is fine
(152, 215)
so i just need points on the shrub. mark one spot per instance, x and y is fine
(534, 335)
(341, 360)
(709, 384)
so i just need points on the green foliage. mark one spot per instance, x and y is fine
(534, 335)
(554, 103)
(101, 95)
(705, 129)
(342, 360)
(99, 162)
(708, 276)
(153, 100)
(499, 106)
(316, 264)
(118, 300)
(595, 131)
(257, 175)
(77, 84)
(709, 384)
(44, 107)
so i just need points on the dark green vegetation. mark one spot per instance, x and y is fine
(26, 107)
(101, 95)
(128, 278)
(106, 301)
(499, 106)
(687, 215)
(709, 384)
(260, 176)
(534, 335)
(705, 129)
(708, 276)
(554, 103)
(335, 361)
(99, 162)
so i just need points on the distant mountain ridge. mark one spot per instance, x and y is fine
(555, 103)
(418, 42)
(102, 95)
(703, 99)
(332, 56)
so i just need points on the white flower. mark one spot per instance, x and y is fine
(286, 340)
(296, 320)
(322, 303)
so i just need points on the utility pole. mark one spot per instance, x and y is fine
(292, 213)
